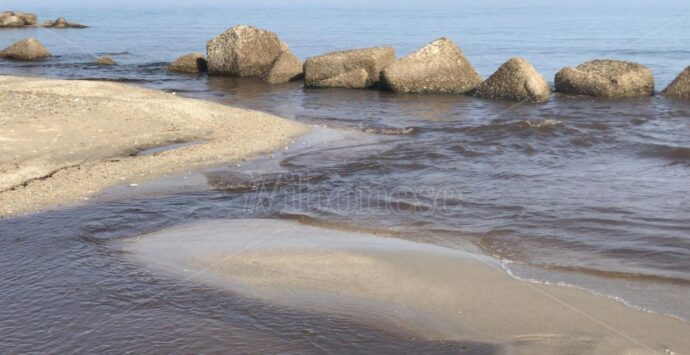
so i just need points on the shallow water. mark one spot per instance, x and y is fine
(577, 190)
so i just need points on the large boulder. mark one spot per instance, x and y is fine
(440, 67)
(344, 68)
(189, 63)
(515, 80)
(610, 79)
(680, 87)
(28, 49)
(10, 20)
(28, 18)
(243, 51)
(286, 68)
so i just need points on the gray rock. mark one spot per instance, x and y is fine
(105, 60)
(610, 79)
(243, 51)
(680, 87)
(286, 68)
(344, 68)
(189, 63)
(28, 49)
(515, 80)
(48, 23)
(440, 67)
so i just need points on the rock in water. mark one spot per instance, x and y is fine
(680, 87)
(286, 68)
(28, 18)
(440, 67)
(344, 68)
(190, 63)
(62, 23)
(243, 51)
(28, 49)
(105, 60)
(610, 79)
(11, 21)
(515, 80)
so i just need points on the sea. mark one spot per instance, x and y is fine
(577, 191)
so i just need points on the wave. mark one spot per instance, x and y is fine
(667, 152)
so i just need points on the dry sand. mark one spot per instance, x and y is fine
(62, 141)
(429, 291)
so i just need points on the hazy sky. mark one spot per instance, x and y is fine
(162, 3)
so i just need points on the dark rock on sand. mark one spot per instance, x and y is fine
(680, 87)
(286, 68)
(515, 80)
(346, 69)
(189, 63)
(243, 51)
(105, 60)
(610, 79)
(439, 67)
(28, 49)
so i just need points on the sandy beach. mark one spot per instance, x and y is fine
(62, 141)
(421, 289)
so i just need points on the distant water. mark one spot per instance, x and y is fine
(579, 191)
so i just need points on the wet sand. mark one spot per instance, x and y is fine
(62, 141)
(429, 291)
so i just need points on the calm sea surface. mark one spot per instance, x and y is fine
(579, 191)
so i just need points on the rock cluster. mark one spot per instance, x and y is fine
(27, 49)
(609, 79)
(248, 51)
(354, 69)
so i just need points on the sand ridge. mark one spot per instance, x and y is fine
(430, 291)
(61, 141)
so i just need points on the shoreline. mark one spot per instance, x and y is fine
(420, 289)
(66, 140)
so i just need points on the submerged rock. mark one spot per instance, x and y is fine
(286, 68)
(243, 51)
(28, 49)
(345, 69)
(189, 63)
(515, 80)
(610, 79)
(680, 87)
(105, 60)
(440, 67)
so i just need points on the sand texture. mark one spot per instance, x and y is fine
(426, 290)
(62, 141)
